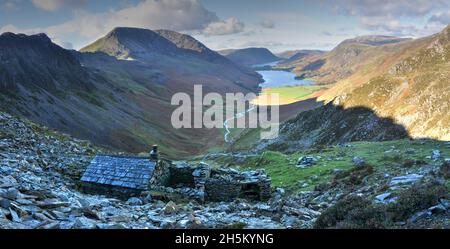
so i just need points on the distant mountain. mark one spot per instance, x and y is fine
(250, 56)
(124, 43)
(380, 91)
(343, 60)
(116, 92)
(134, 43)
(175, 55)
(287, 54)
(291, 54)
(374, 40)
(295, 55)
(410, 84)
(191, 45)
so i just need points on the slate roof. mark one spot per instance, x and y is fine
(127, 172)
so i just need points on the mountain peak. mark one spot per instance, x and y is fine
(124, 43)
(9, 38)
(127, 31)
(144, 44)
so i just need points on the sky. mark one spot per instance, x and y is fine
(223, 24)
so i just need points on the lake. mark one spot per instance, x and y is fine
(278, 78)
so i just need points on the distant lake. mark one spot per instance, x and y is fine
(278, 78)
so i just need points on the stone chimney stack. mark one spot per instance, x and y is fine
(154, 153)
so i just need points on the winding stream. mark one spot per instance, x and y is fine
(238, 115)
(272, 78)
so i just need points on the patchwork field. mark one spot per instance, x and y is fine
(288, 94)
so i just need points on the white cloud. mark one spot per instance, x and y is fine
(268, 24)
(377, 8)
(262, 44)
(10, 28)
(230, 26)
(178, 15)
(389, 26)
(64, 44)
(9, 5)
(437, 22)
(400, 17)
(440, 17)
(53, 5)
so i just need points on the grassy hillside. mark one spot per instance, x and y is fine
(347, 58)
(410, 85)
(395, 157)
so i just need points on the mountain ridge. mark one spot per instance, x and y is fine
(411, 87)
(295, 55)
(115, 101)
(343, 60)
(405, 81)
(21, 54)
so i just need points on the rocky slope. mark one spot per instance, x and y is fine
(118, 95)
(392, 184)
(38, 190)
(40, 170)
(330, 125)
(250, 56)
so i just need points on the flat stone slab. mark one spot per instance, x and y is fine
(385, 198)
(406, 179)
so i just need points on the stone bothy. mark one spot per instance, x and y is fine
(222, 184)
(117, 175)
(228, 184)
(130, 176)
